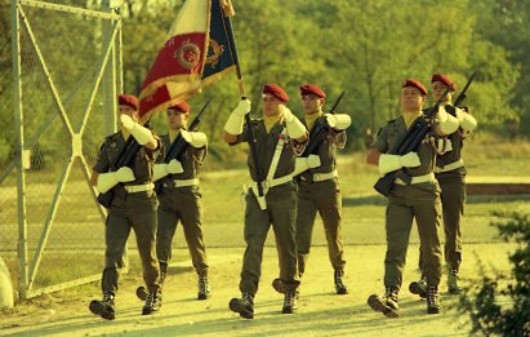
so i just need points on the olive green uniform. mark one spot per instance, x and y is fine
(129, 210)
(453, 196)
(182, 203)
(407, 202)
(323, 197)
(280, 212)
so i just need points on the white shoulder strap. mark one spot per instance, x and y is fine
(277, 154)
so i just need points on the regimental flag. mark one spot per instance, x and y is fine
(196, 54)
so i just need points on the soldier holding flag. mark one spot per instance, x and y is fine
(133, 206)
(271, 195)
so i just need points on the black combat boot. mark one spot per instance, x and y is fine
(104, 308)
(340, 287)
(419, 287)
(387, 304)
(289, 303)
(244, 305)
(433, 301)
(153, 301)
(204, 288)
(141, 292)
(452, 281)
(278, 285)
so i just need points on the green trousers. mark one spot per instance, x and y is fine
(418, 202)
(182, 204)
(326, 199)
(136, 211)
(280, 214)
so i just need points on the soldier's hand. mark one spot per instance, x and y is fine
(243, 107)
(127, 122)
(411, 159)
(338, 121)
(287, 114)
(174, 167)
(124, 175)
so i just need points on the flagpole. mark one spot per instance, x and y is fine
(242, 93)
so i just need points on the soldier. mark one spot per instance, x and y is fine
(279, 138)
(180, 197)
(133, 206)
(450, 173)
(419, 199)
(318, 188)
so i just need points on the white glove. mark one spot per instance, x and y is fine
(162, 170)
(338, 121)
(295, 128)
(174, 167)
(302, 164)
(467, 122)
(195, 139)
(390, 162)
(234, 124)
(447, 124)
(141, 134)
(106, 181)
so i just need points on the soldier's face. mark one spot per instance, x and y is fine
(412, 99)
(176, 119)
(127, 110)
(271, 105)
(438, 89)
(312, 104)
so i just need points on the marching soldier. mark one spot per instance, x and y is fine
(416, 199)
(180, 197)
(133, 206)
(278, 138)
(318, 187)
(450, 173)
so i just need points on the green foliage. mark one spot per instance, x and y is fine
(500, 305)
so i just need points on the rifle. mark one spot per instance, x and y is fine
(318, 134)
(462, 95)
(409, 142)
(179, 145)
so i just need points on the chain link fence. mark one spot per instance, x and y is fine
(68, 79)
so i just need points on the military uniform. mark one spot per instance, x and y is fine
(134, 206)
(420, 201)
(280, 212)
(319, 191)
(180, 199)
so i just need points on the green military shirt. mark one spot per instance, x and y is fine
(142, 164)
(266, 146)
(392, 133)
(191, 160)
(328, 148)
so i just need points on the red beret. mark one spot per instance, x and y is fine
(312, 89)
(444, 79)
(276, 91)
(181, 106)
(129, 100)
(415, 84)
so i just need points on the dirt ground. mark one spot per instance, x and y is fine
(321, 312)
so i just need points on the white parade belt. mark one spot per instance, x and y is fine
(267, 184)
(449, 167)
(186, 182)
(139, 188)
(417, 180)
(317, 177)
